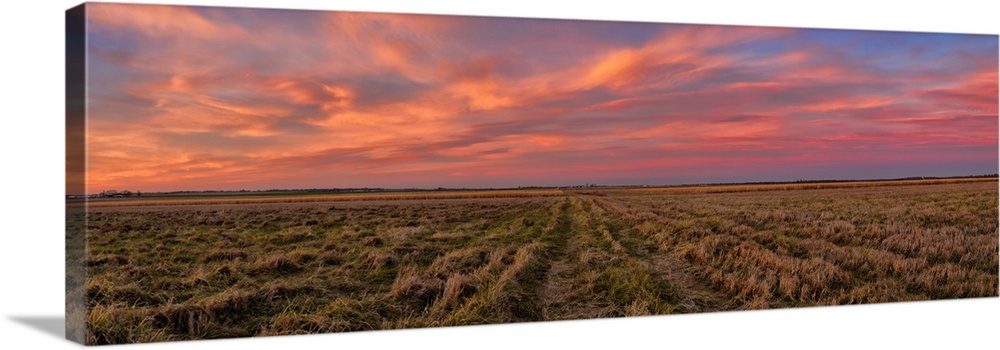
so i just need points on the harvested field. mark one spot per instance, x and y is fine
(212, 269)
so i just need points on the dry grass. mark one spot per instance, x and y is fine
(320, 197)
(830, 246)
(192, 271)
(804, 186)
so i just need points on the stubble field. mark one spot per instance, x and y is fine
(174, 271)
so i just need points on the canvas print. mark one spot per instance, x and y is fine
(238, 172)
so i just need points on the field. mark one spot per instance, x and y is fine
(210, 268)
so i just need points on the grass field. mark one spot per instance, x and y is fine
(212, 268)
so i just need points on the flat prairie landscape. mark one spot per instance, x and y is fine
(194, 268)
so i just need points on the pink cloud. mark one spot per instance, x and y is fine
(202, 98)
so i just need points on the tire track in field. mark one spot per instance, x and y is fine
(531, 304)
(597, 276)
(695, 294)
(597, 266)
(561, 297)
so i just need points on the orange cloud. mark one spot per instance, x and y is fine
(160, 21)
(305, 92)
(205, 98)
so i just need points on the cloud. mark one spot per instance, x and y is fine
(211, 98)
(159, 21)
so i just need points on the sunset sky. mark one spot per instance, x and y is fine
(200, 98)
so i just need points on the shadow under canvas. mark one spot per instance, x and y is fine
(52, 325)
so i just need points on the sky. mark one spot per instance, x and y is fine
(203, 98)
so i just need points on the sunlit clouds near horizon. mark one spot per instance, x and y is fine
(202, 98)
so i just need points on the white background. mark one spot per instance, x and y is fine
(32, 126)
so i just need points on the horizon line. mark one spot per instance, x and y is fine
(585, 185)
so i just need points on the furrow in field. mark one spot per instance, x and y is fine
(600, 275)
(560, 293)
(690, 292)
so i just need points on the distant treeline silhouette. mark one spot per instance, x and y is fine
(127, 193)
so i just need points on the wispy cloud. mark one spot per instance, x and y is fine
(212, 98)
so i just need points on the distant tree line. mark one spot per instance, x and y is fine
(118, 194)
